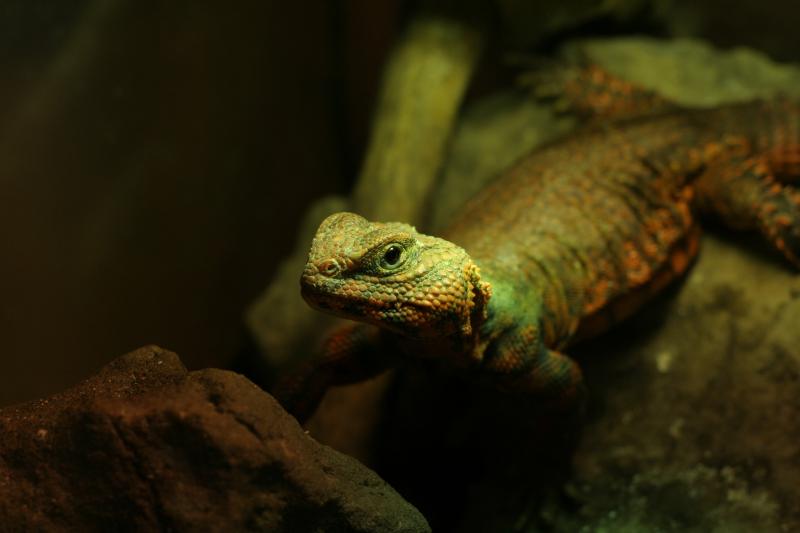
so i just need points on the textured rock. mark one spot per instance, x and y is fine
(145, 445)
(689, 71)
(695, 422)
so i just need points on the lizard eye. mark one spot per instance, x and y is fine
(393, 256)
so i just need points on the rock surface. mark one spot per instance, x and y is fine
(145, 445)
(695, 418)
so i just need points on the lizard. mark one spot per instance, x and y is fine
(572, 239)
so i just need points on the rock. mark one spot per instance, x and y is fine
(145, 445)
(691, 72)
(695, 418)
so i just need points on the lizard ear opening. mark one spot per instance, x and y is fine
(478, 306)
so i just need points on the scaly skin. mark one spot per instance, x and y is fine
(572, 239)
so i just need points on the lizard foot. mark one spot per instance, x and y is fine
(521, 366)
(350, 354)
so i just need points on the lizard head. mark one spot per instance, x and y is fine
(389, 275)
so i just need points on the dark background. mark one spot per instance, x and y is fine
(155, 158)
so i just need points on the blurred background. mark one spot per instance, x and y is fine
(155, 157)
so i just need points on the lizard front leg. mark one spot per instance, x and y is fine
(349, 354)
(519, 363)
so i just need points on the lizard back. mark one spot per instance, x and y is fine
(597, 222)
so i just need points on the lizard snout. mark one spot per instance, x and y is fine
(315, 271)
(310, 273)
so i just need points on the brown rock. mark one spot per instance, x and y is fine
(146, 445)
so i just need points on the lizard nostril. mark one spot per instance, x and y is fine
(329, 268)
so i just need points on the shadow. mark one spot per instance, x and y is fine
(468, 457)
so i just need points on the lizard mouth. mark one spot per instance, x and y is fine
(315, 296)
(327, 299)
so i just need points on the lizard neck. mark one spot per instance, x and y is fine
(464, 345)
(516, 300)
